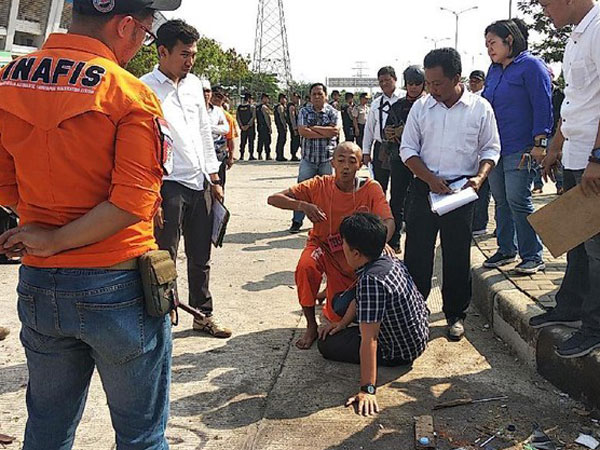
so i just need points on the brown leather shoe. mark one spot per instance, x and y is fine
(211, 326)
(3, 333)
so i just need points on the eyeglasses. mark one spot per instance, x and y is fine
(150, 37)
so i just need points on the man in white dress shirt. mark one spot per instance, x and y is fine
(374, 129)
(450, 134)
(578, 140)
(189, 191)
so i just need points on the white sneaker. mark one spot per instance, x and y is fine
(456, 330)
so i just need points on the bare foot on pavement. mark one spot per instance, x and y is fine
(306, 341)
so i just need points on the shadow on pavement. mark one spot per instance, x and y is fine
(271, 281)
(251, 238)
(295, 243)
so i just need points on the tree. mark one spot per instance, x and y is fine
(551, 46)
(224, 67)
(144, 61)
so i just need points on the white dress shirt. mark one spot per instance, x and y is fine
(184, 108)
(581, 108)
(372, 128)
(451, 142)
(218, 121)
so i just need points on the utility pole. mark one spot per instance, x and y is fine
(510, 4)
(271, 52)
(436, 41)
(457, 15)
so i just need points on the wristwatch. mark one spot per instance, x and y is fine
(541, 142)
(216, 182)
(368, 389)
(596, 153)
(594, 160)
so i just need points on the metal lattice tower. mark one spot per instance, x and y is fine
(271, 52)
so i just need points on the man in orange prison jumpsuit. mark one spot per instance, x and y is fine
(326, 201)
(82, 142)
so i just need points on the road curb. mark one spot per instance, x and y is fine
(508, 310)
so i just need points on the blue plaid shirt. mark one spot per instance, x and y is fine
(318, 150)
(386, 294)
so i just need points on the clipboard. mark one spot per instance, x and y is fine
(220, 220)
(568, 221)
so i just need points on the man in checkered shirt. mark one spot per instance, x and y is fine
(319, 126)
(392, 314)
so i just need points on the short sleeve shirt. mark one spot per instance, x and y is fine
(337, 205)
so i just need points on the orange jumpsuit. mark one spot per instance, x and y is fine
(321, 255)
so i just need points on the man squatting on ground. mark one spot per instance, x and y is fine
(391, 312)
(450, 135)
(326, 201)
(85, 222)
(577, 140)
(188, 192)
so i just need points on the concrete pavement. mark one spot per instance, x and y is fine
(257, 391)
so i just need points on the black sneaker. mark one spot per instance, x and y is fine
(268, 158)
(295, 158)
(295, 228)
(530, 267)
(252, 158)
(552, 317)
(579, 344)
(499, 260)
(281, 159)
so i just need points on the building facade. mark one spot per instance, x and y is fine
(25, 24)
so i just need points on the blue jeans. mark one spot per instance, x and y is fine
(307, 171)
(511, 188)
(75, 320)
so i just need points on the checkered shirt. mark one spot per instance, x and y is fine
(386, 294)
(318, 150)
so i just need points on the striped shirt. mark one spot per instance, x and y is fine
(386, 294)
(318, 150)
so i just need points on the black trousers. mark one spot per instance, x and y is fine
(382, 175)
(401, 179)
(345, 347)
(361, 135)
(349, 134)
(264, 141)
(422, 227)
(295, 143)
(579, 294)
(281, 140)
(248, 138)
(189, 212)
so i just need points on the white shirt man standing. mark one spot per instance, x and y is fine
(187, 197)
(578, 140)
(449, 135)
(374, 129)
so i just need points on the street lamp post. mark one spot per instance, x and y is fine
(457, 15)
(435, 41)
(510, 4)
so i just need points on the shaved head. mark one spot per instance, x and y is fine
(347, 159)
(348, 147)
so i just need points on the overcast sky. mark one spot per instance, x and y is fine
(327, 37)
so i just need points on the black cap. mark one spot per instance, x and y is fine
(98, 7)
(477, 75)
